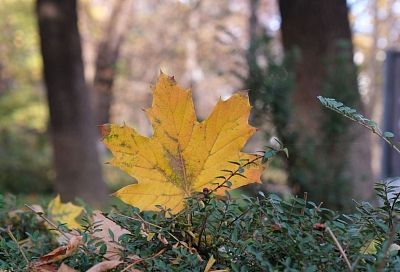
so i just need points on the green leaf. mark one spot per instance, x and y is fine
(286, 151)
(103, 249)
(268, 154)
(388, 134)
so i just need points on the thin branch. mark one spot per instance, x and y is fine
(141, 220)
(236, 172)
(203, 226)
(376, 130)
(305, 203)
(48, 221)
(238, 217)
(340, 248)
(145, 259)
(16, 242)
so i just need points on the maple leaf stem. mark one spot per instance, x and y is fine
(48, 221)
(236, 172)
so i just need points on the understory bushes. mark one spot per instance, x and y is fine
(263, 233)
(260, 233)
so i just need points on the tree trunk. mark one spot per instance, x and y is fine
(72, 129)
(332, 155)
(107, 56)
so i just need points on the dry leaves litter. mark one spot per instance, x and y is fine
(65, 213)
(65, 268)
(103, 228)
(104, 266)
(45, 262)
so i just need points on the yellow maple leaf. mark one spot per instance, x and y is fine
(65, 213)
(183, 156)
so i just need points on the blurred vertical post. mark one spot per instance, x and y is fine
(73, 133)
(391, 159)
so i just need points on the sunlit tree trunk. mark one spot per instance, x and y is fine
(333, 156)
(107, 57)
(72, 127)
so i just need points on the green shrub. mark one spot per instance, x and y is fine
(262, 233)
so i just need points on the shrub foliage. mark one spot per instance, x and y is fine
(214, 233)
(262, 233)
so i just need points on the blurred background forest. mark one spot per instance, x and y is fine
(67, 66)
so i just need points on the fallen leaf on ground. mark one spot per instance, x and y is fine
(104, 266)
(65, 213)
(103, 228)
(42, 268)
(57, 254)
(183, 156)
(65, 268)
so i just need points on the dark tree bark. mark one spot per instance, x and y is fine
(314, 28)
(320, 32)
(107, 57)
(72, 128)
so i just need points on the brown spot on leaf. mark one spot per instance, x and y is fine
(104, 130)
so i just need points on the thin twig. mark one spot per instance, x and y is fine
(292, 207)
(305, 203)
(236, 172)
(138, 220)
(203, 227)
(238, 217)
(376, 130)
(146, 222)
(189, 238)
(153, 225)
(145, 259)
(340, 248)
(16, 242)
(48, 221)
